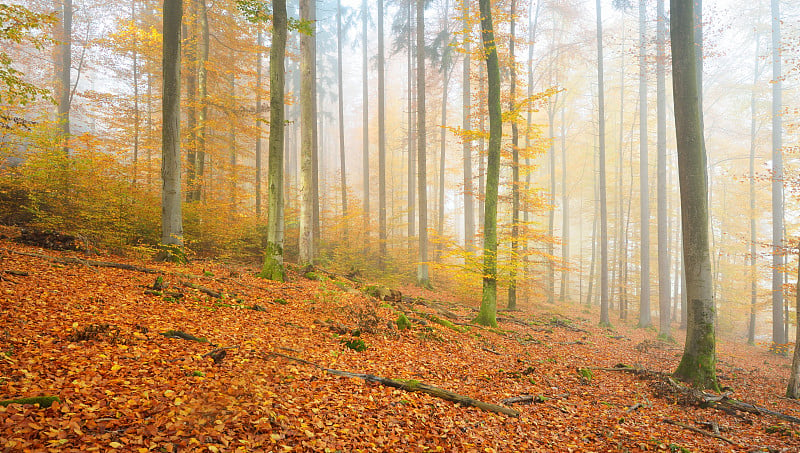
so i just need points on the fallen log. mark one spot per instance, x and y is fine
(42, 401)
(412, 386)
(203, 289)
(700, 431)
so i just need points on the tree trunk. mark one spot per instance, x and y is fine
(564, 296)
(190, 60)
(551, 210)
(136, 112)
(381, 139)
(257, 184)
(512, 284)
(307, 139)
(481, 152)
(423, 279)
(778, 337)
(533, 23)
(644, 198)
(488, 311)
(604, 318)
(593, 262)
(443, 133)
(171, 220)
(343, 167)
(751, 328)
(412, 156)
(273, 255)
(793, 387)
(232, 125)
(315, 121)
(664, 296)
(469, 197)
(698, 364)
(365, 113)
(63, 68)
(202, 98)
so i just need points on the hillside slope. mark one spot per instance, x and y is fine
(94, 337)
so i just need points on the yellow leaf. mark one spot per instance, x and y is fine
(115, 445)
(213, 449)
(116, 367)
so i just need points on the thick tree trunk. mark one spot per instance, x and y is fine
(604, 318)
(644, 197)
(778, 333)
(171, 220)
(488, 312)
(793, 387)
(423, 279)
(273, 256)
(698, 364)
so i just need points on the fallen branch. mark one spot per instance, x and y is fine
(413, 386)
(700, 431)
(218, 354)
(184, 336)
(42, 401)
(202, 289)
(16, 273)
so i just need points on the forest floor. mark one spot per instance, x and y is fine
(94, 337)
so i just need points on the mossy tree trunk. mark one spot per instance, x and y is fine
(698, 364)
(273, 257)
(307, 139)
(488, 312)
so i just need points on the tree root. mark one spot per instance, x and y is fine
(700, 431)
(412, 386)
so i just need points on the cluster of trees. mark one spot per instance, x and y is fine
(203, 67)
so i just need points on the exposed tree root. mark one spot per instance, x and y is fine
(700, 431)
(412, 386)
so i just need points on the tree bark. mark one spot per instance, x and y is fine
(488, 312)
(423, 279)
(202, 98)
(63, 69)
(273, 257)
(259, 69)
(604, 318)
(307, 141)
(382, 237)
(342, 166)
(466, 101)
(778, 337)
(698, 364)
(644, 197)
(512, 284)
(365, 113)
(171, 220)
(664, 296)
(751, 328)
(793, 387)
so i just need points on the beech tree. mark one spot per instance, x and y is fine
(423, 279)
(63, 67)
(604, 318)
(171, 220)
(778, 332)
(273, 257)
(308, 138)
(698, 364)
(488, 312)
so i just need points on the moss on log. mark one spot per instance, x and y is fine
(42, 401)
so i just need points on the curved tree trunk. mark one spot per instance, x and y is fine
(698, 364)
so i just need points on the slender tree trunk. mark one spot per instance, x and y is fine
(412, 156)
(443, 133)
(751, 329)
(136, 112)
(423, 279)
(307, 139)
(232, 125)
(533, 23)
(644, 197)
(316, 120)
(190, 60)
(63, 69)
(343, 167)
(273, 255)
(778, 337)
(595, 206)
(260, 43)
(512, 284)
(698, 364)
(604, 318)
(619, 251)
(466, 101)
(365, 113)
(564, 296)
(551, 211)
(481, 153)
(150, 138)
(202, 95)
(488, 313)
(171, 220)
(381, 137)
(664, 296)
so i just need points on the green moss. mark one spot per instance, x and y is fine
(445, 323)
(42, 401)
(356, 344)
(412, 384)
(171, 253)
(273, 264)
(402, 322)
(183, 336)
(281, 301)
(313, 276)
(586, 374)
(208, 273)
